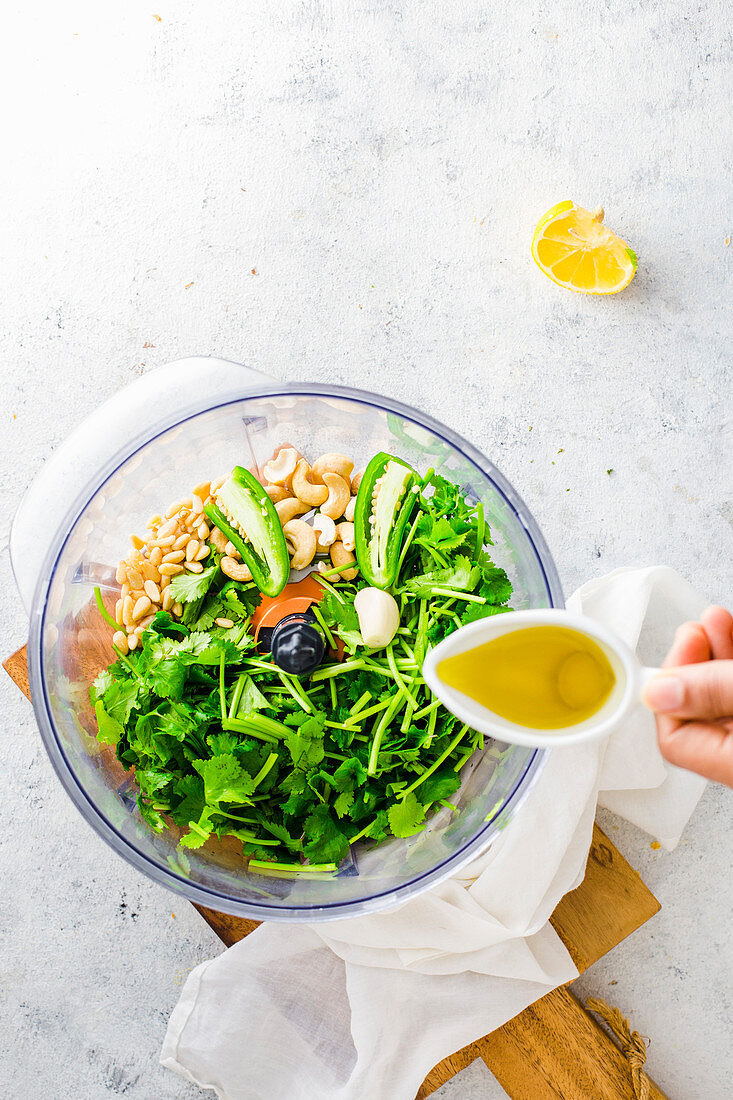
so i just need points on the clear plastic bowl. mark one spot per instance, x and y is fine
(69, 644)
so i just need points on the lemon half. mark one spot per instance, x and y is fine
(576, 250)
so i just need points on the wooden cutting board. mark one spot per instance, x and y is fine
(554, 1050)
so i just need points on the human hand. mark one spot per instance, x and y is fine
(693, 698)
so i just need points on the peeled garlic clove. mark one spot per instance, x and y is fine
(379, 617)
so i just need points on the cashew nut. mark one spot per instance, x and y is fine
(277, 493)
(290, 507)
(345, 532)
(301, 540)
(304, 489)
(379, 617)
(356, 480)
(280, 468)
(349, 510)
(338, 495)
(325, 530)
(336, 464)
(218, 540)
(341, 556)
(237, 570)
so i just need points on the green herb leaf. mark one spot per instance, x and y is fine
(406, 817)
(187, 587)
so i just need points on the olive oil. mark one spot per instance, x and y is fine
(543, 677)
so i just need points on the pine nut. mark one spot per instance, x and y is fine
(191, 549)
(194, 566)
(203, 490)
(216, 485)
(168, 569)
(197, 504)
(168, 600)
(141, 606)
(136, 542)
(125, 591)
(202, 531)
(127, 607)
(168, 527)
(152, 590)
(174, 557)
(224, 622)
(156, 555)
(172, 510)
(181, 541)
(134, 556)
(167, 540)
(121, 574)
(134, 578)
(154, 520)
(132, 641)
(163, 583)
(144, 625)
(119, 638)
(187, 503)
(118, 611)
(177, 609)
(202, 552)
(149, 572)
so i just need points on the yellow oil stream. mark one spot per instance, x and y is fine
(542, 677)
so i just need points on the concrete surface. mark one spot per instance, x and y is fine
(348, 195)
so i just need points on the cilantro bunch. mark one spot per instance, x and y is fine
(224, 743)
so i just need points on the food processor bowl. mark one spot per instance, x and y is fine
(70, 644)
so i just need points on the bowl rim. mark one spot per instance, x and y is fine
(124, 847)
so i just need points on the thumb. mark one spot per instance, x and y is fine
(702, 690)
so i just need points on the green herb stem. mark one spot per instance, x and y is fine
(436, 763)
(380, 727)
(469, 596)
(104, 612)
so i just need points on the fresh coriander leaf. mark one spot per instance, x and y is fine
(349, 775)
(187, 587)
(342, 804)
(325, 843)
(189, 790)
(352, 639)
(252, 699)
(406, 817)
(102, 684)
(495, 586)
(109, 729)
(224, 779)
(462, 575)
(305, 744)
(378, 828)
(153, 816)
(162, 623)
(476, 611)
(121, 697)
(441, 784)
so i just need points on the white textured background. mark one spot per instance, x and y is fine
(347, 194)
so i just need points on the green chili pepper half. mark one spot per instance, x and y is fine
(384, 504)
(243, 509)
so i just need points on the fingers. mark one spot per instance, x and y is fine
(718, 624)
(699, 747)
(699, 691)
(690, 646)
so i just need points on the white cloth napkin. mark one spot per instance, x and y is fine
(362, 1009)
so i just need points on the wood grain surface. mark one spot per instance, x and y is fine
(553, 1050)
